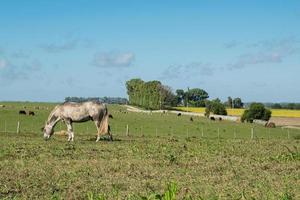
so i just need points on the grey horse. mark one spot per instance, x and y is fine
(70, 112)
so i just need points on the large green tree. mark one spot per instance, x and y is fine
(256, 111)
(237, 103)
(149, 95)
(194, 97)
(216, 107)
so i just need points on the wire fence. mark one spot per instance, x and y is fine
(202, 131)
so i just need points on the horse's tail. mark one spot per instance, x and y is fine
(104, 122)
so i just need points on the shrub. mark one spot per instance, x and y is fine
(216, 107)
(256, 111)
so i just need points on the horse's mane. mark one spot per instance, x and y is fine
(51, 115)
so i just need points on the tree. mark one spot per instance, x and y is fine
(196, 97)
(276, 106)
(216, 107)
(256, 111)
(237, 103)
(229, 102)
(169, 99)
(134, 90)
(180, 96)
(149, 95)
(291, 106)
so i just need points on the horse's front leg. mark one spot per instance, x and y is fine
(70, 131)
(97, 123)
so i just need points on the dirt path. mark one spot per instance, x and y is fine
(279, 121)
(223, 117)
(286, 121)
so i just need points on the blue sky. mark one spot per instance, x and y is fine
(53, 49)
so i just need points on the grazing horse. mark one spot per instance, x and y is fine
(70, 112)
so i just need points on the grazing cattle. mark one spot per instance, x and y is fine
(191, 119)
(110, 116)
(31, 113)
(2, 106)
(70, 112)
(179, 114)
(212, 118)
(22, 112)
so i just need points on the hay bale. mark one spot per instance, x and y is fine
(271, 125)
(61, 133)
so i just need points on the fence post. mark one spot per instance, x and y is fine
(18, 127)
(127, 130)
(252, 133)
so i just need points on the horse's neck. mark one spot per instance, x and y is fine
(52, 121)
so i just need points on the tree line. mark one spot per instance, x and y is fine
(109, 100)
(290, 106)
(155, 95)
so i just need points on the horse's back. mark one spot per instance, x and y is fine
(82, 111)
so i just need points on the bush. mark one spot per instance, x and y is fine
(216, 107)
(256, 111)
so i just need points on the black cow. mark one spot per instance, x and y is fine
(22, 112)
(31, 113)
(191, 119)
(179, 114)
(212, 118)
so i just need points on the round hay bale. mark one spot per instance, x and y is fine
(61, 133)
(271, 125)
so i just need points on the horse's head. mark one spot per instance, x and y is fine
(47, 131)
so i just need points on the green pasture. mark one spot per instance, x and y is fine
(140, 124)
(163, 156)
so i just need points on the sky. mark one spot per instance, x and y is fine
(53, 49)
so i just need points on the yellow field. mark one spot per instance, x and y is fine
(239, 112)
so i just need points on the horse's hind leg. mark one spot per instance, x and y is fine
(97, 123)
(109, 133)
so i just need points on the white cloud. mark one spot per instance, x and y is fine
(113, 59)
(13, 71)
(231, 44)
(189, 70)
(3, 63)
(60, 47)
(270, 51)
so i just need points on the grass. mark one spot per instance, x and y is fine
(168, 164)
(239, 111)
